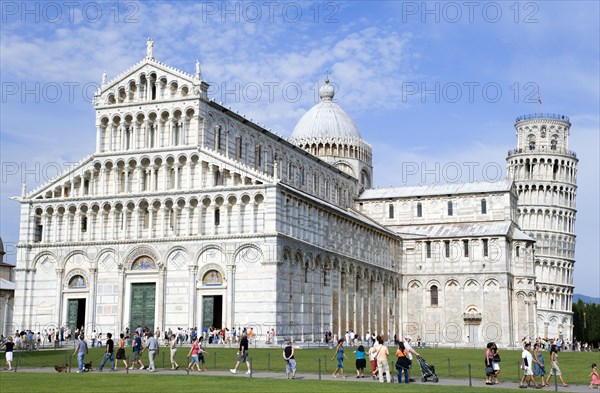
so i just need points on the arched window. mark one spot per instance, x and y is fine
(532, 144)
(391, 211)
(450, 208)
(218, 139)
(217, 217)
(419, 209)
(258, 157)
(83, 223)
(434, 295)
(483, 206)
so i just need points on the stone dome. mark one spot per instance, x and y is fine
(326, 120)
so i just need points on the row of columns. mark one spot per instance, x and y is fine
(145, 134)
(543, 171)
(546, 197)
(138, 223)
(150, 178)
(544, 221)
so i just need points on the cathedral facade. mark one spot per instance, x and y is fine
(189, 214)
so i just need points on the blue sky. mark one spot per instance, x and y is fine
(432, 84)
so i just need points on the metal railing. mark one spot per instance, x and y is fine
(555, 116)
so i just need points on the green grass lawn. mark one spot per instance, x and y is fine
(449, 363)
(97, 382)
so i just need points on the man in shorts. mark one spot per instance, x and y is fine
(290, 362)
(527, 366)
(137, 351)
(242, 355)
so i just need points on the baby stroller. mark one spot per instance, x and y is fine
(427, 370)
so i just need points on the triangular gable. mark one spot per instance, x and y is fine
(151, 65)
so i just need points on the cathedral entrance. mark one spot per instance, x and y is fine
(75, 313)
(212, 311)
(143, 298)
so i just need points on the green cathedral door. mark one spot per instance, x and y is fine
(75, 313)
(212, 311)
(142, 306)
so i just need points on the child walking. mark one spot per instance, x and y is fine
(595, 379)
(361, 362)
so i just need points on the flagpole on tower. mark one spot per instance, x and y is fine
(539, 101)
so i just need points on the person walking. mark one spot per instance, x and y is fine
(527, 366)
(9, 347)
(173, 352)
(373, 360)
(410, 351)
(201, 353)
(121, 352)
(242, 355)
(108, 353)
(340, 355)
(495, 364)
(539, 367)
(489, 371)
(136, 356)
(595, 383)
(554, 361)
(194, 350)
(290, 362)
(382, 361)
(402, 362)
(81, 349)
(153, 350)
(361, 362)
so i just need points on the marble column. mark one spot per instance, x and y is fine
(161, 298)
(192, 296)
(121, 297)
(58, 299)
(91, 312)
(230, 303)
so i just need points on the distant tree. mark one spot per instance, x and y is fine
(586, 322)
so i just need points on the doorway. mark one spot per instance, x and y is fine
(141, 313)
(212, 311)
(75, 313)
(473, 333)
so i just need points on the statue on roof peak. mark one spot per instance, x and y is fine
(149, 48)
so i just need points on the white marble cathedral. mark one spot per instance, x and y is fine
(189, 214)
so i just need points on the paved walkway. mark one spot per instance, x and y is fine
(351, 378)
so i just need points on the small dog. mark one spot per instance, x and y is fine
(87, 366)
(61, 369)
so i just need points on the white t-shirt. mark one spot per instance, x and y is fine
(373, 352)
(409, 348)
(528, 358)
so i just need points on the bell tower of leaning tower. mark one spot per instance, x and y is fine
(544, 172)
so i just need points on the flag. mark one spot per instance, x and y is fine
(539, 97)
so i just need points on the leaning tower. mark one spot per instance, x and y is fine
(544, 172)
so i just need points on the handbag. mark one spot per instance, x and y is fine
(489, 370)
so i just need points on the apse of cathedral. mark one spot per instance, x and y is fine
(188, 214)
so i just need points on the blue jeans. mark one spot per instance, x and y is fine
(80, 365)
(108, 356)
(405, 372)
